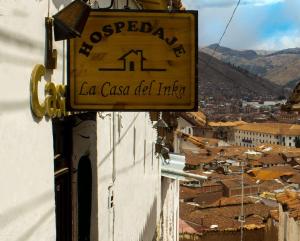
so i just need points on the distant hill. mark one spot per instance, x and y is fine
(279, 67)
(224, 81)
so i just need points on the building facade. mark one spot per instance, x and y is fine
(87, 176)
(256, 134)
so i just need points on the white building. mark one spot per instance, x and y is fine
(90, 176)
(255, 134)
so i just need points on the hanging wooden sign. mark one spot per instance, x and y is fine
(129, 60)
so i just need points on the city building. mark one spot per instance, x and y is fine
(255, 134)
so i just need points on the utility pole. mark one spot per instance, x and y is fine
(242, 217)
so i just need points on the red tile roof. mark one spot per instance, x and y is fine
(271, 173)
(184, 227)
(227, 217)
(273, 159)
(292, 201)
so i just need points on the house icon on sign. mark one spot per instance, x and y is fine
(132, 61)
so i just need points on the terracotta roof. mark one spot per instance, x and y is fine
(195, 159)
(272, 172)
(292, 154)
(273, 148)
(190, 138)
(234, 151)
(271, 128)
(197, 118)
(272, 159)
(207, 199)
(292, 200)
(187, 193)
(269, 186)
(275, 214)
(295, 179)
(224, 201)
(227, 217)
(236, 182)
(209, 141)
(214, 176)
(235, 169)
(255, 163)
(185, 210)
(184, 227)
(226, 124)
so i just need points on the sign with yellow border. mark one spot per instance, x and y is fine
(134, 60)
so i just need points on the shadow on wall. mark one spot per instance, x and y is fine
(14, 37)
(33, 228)
(120, 140)
(125, 170)
(15, 212)
(13, 105)
(149, 231)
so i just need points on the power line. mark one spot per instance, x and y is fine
(225, 30)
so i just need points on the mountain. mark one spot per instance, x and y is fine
(225, 82)
(279, 67)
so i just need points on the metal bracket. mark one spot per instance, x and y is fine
(51, 54)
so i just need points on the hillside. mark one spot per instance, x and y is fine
(224, 81)
(279, 67)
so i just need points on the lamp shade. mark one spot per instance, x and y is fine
(160, 123)
(70, 21)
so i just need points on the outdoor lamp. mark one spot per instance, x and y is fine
(159, 144)
(160, 123)
(165, 153)
(70, 21)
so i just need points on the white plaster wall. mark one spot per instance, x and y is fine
(293, 230)
(136, 187)
(289, 229)
(170, 209)
(282, 224)
(85, 144)
(185, 126)
(27, 208)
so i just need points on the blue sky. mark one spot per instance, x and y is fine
(257, 24)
